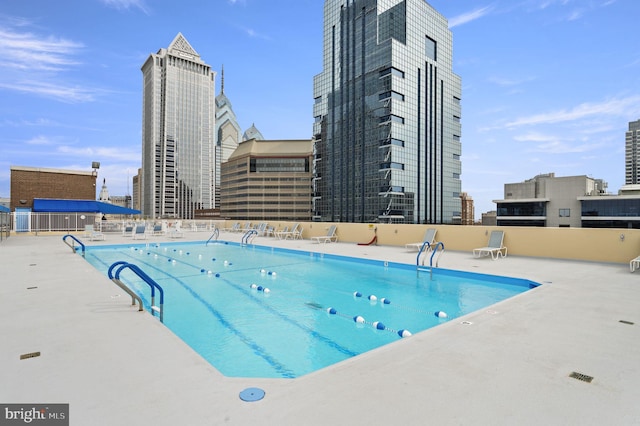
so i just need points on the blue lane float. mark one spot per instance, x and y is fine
(376, 324)
(404, 333)
(357, 294)
(440, 314)
(358, 319)
(260, 288)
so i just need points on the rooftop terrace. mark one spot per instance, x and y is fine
(508, 364)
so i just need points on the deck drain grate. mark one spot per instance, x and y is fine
(626, 322)
(30, 355)
(31, 288)
(581, 377)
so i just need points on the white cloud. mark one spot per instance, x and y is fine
(127, 4)
(60, 92)
(102, 153)
(616, 106)
(465, 18)
(31, 52)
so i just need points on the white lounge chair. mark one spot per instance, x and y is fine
(294, 233)
(157, 230)
(634, 264)
(176, 231)
(494, 248)
(281, 233)
(92, 234)
(429, 237)
(140, 232)
(330, 237)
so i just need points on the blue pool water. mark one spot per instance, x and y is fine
(262, 312)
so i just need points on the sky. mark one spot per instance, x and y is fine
(547, 85)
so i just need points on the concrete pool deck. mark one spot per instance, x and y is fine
(504, 365)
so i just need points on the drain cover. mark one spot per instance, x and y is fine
(252, 394)
(30, 355)
(582, 377)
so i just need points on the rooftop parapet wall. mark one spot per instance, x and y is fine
(585, 244)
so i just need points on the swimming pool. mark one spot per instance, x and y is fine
(255, 311)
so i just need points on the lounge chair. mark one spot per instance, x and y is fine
(140, 232)
(429, 237)
(280, 234)
(495, 248)
(234, 228)
(293, 233)
(157, 230)
(634, 264)
(176, 231)
(330, 237)
(127, 231)
(92, 234)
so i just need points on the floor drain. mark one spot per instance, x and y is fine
(626, 322)
(252, 394)
(30, 355)
(581, 377)
(31, 288)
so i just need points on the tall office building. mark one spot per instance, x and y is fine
(632, 154)
(178, 133)
(387, 115)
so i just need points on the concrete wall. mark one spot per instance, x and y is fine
(588, 244)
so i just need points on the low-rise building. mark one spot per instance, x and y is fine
(267, 180)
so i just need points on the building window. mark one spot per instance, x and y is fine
(565, 212)
(430, 48)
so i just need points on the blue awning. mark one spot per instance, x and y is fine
(5, 209)
(80, 206)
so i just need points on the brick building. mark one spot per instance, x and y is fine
(28, 183)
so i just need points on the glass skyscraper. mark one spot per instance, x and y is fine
(632, 154)
(387, 115)
(178, 133)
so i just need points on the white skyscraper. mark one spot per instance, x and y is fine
(178, 133)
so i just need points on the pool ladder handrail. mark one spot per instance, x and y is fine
(73, 247)
(146, 278)
(248, 237)
(216, 234)
(434, 249)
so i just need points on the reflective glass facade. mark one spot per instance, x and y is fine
(632, 154)
(386, 115)
(178, 122)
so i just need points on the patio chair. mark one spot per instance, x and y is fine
(494, 248)
(634, 264)
(429, 237)
(329, 238)
(140, 233)
(93, 234)
(176, 231)
(157, 230)
(280, 234)
(127, 231)
(293, 233)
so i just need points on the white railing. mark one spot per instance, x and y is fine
(77, 222)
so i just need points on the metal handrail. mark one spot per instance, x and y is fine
(434, 249)
(146, 278)
(73, 247)
(216, 234)
(124, 287)
(247, 235)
